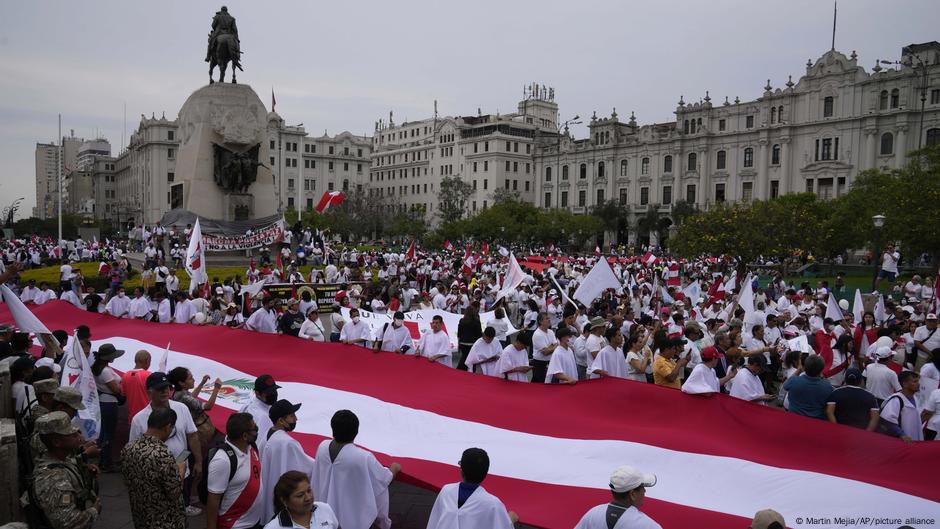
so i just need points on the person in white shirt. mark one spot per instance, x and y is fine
(703, 380)
(628, 488)
(185, 312)
(296, 508)
(235, 503)
(44, 294)
(562, 368)
(880, 380)
(514, 360)
(29, 292)
(355, 331)
(281, 453)
(264, 319)
(747, 385)
(396, 337)
(544, 343)
(172, 282)
(899, 412)
(119, 305)
(163, 313)
(140, 306)
(610, 361)
(350, 479)
(311, 328)
(260, 407)
(467, 505)
(889, 266)
(926, 339)
(484, 354)
(595, 341)
(435, 345)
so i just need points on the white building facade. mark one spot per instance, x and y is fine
(814, 135)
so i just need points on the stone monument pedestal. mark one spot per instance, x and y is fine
(223, 139)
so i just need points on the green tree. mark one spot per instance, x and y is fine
(452, 199)
(682, 210)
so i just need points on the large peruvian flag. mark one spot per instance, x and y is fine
(552, 448)
(330, 199)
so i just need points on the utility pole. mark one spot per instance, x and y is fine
(59, 161)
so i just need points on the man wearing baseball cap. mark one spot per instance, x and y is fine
(852, 404)
(58, 490)
(260, 407)
(628, 488)
(281, 453)
(768, 519)
(703, 380)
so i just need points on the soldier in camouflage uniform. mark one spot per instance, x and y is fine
(45, 395)
(65, 399)
(58, 488)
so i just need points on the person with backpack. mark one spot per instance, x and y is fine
(899, 415)
(233, 479)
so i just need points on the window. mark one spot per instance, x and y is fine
(749, 122)
(359, 153)
(507, 183)
(170, 135)
(476, 147)
(747, 191)
(359, 169)
(290, 202)
(883, 100)
(508, 146)
(515, 185)
(690, 193)
(290, 183)
(564, 172)
(722, 125)
(486, 183)
(667, 195)
(623, 168)
(773, 115)
(667, 164)
(331, 149)
(600, 169)
(748, 157)
(623, 196)
(721, 160)
(330, 166)
(345, 166)
(486, 166)
(528, 148)
(515, 146)
(272, 144)
(600, 197)
(474, 167)
(692, 128)
(310, 202)
(548, 200)
(507, 166)
(828, 104)
(895, 98)
(644, 196)
(645, 166)
(170, 177)
(780, 114)
(515, 167)
(719, 193)
(171, 153)
(774, 188)
(584, 170)
(685, 127)
(887, 143)
(933, 137)
(486, 146)
(564, 199)
(548, 174)
(692, 164)
(935, 96)
(809, 185)
(582, 198)
(826, 149)
(775, 154)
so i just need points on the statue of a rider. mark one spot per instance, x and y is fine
(222, 23)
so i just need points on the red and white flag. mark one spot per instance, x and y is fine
(597, 250)
(756, 456)
(410, 254)
(485, 248)
(649, 259)
(672, 275)
(448, 246)
(330, 199)
(196, 258)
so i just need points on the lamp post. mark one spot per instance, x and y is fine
(878, 221)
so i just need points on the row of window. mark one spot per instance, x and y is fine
(291, 146)
(311, 185)
(747, 193)
(312, 164)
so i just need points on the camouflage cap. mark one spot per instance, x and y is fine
(56, 422)
(48, 385)
(69, 396)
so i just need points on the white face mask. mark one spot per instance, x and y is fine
(355, 319)
(120, 294)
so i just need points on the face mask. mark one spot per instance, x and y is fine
(289, 427)
(120, 294)
(270, 397)
(355, 319)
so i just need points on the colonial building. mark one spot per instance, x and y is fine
(488, 152)
(144, 173)
(813, 135)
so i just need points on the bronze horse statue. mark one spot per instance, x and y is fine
(226, 51)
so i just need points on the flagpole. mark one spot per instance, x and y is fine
(59, 178)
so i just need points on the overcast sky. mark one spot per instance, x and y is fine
(338, 66)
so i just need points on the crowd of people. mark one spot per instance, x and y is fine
(681, 324)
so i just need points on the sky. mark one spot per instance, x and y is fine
(338, 66)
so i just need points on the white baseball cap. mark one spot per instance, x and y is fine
(884, 352)
(627, 478)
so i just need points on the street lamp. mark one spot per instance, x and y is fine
(878, 221)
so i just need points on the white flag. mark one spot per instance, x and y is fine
(166, 354)
(196, 258)
(253, 289)
(76, 373)
(746, 298)
(599, 279)
(25, 320)
(833, 310)
(858, 308)
(513, 278)
(693, 292)
(880, 315)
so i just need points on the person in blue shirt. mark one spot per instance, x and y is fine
(807, 394)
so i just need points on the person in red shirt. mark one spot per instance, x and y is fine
(134, 384)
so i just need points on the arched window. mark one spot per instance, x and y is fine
(600, 170)
(584, 170)
(667, 164)
(748, 157)
(895, 98)
(775, 155)
(692, 129)
(692, 163)
(887, 143)
(773, 115)
(645, 166)
(828, 104)
(685, 126)
(623, 168)
(780, 114)
(564, 172)
(345, 185)
(721, 160)
(933, 137)
(883, 100)
(548, 174)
